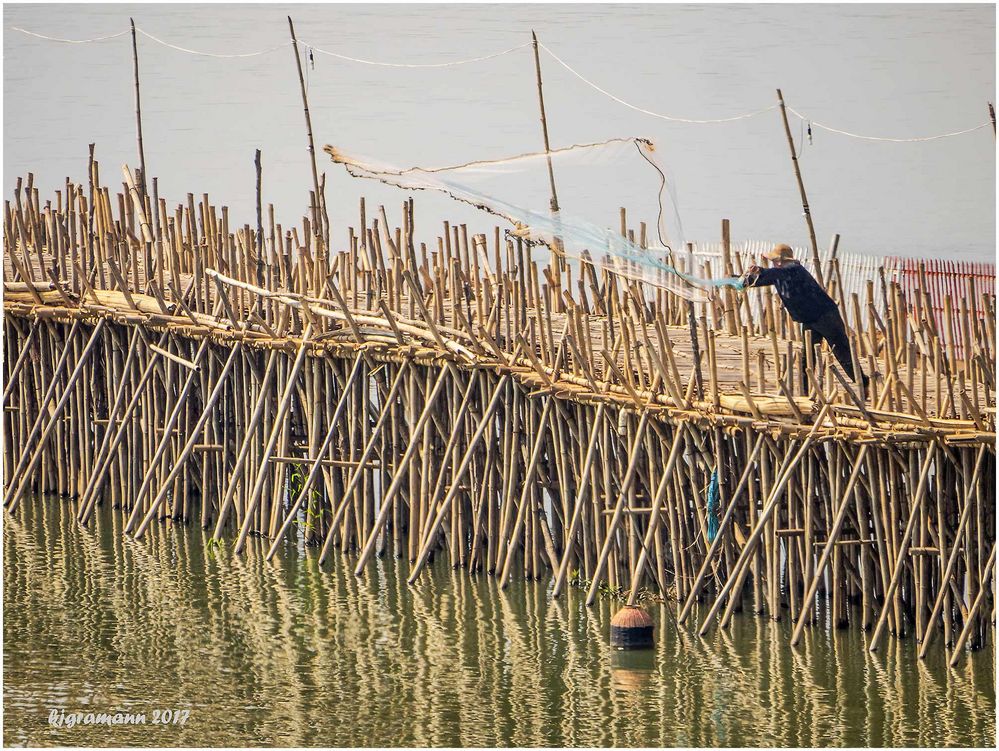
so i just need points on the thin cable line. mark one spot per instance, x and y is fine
(617, 99)
(68, 41)
(416, 65)
(211, 54)
(557, 59)
(880, 138)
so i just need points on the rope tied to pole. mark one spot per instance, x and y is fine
(382, 64)
(850, 134)
(211, 54)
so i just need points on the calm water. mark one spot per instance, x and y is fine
(891, 70)
(289, 654)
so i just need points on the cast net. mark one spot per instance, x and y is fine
(514, 187)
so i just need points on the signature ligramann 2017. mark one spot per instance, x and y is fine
(60, 718)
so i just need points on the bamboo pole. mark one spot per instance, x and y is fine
(138, 111)
(387, 501)
(581, 499)
(317, 459)
(906, 541)
(816, 262)
(179, 463)
(318, 222)
(989, 572)
(36, 427)
(737, 575)
(445, 505)
(544, 124)
(356, 476)
(629, 475)
(277, 426)
(833, 536)
(945, 576)
(164, 443)
(29, 463)
(653, 526)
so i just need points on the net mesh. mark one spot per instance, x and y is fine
(513, 187)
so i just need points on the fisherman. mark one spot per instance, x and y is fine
(806, 302)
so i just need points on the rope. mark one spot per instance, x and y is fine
(801, 141)
(153, 38)
(211, 54)
(277, 47)
(880, 138)
(662, 188)
(617, 99)
(712, 506)
(518, 157)
(557, 59)
(68, 41)
(417, 65)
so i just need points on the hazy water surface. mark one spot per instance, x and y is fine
(883, 70)
(286, 653)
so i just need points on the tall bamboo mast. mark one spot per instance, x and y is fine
(138, 112)
(801, 190)
(317, 225)
(544, 123)
(557, 240)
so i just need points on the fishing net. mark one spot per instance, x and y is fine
(513, 188)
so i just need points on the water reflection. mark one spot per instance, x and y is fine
(285, 653)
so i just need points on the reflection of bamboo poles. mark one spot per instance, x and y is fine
(296, 639)
(989, 573)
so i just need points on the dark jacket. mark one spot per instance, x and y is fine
(802, 296)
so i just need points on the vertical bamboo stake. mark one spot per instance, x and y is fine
(801, 189)
(178, 463)
(945, 577)
(28, 463)
(833, 536)
(138, 111)
(917, 502)
(629, 474)
(544, 124)
(581, 499)
(317, 224)
(260, 227)
(396, 484)
(43, 406)
(962, 639)
(657, 502)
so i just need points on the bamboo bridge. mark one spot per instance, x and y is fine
(482, 403)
